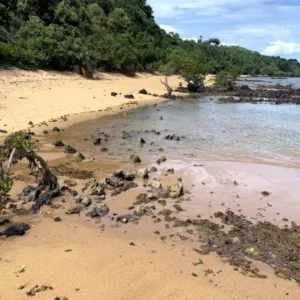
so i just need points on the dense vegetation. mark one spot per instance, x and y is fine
(118, 35)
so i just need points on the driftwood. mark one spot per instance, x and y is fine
(49, 183)
(166, 84)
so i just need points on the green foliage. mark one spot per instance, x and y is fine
(17, 140)
(116, 35)
(226, 79)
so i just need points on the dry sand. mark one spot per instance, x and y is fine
(101, 266)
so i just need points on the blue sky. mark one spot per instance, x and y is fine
(271, 27)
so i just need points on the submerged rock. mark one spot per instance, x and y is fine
(97, 141)
(135, 159)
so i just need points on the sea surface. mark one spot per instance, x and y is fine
(208, 130)
(253, 81)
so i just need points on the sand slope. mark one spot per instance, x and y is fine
(39, 96)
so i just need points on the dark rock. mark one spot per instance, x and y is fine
(98, 189)
(79, 157)
(132, 244)
(127, 185)
(153, 169)
(161, 160)
(195, 88)
(75, 210)
(143, 92)
(135, 159)
(33, 195)
(178, 207)
(58, 143)
(97, 141)
(123, 174)
(113, 94)
(38, 289)
(98, 212)
(70, 149)
(125, 135)
(114, 181)
(45, 132)
(56, 129)
(4, 222)
(3, 131)
(142, 141)
(129, 96)
(19, 229)
(57, 219)
(30, 123)
(265, 193)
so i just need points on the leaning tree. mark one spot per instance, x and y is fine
(15, 148)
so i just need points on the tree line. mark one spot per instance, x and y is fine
(116, 35)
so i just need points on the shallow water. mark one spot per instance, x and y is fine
(245, 132)
(252, 81)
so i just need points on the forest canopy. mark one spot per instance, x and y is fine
(116, 35)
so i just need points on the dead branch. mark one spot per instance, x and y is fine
(166, 84)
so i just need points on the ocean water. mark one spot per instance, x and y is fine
(252, 81)
(208, 130)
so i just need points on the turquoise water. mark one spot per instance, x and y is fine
(245, 132)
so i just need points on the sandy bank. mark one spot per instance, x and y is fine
(39, 96)
(100, 266)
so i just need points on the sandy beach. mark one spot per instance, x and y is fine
(85, 258)
(40, 96)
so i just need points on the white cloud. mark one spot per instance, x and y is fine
(192, 38)
(168, 28)
(280, 47)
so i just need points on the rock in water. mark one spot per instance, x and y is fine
(19, 229)
(143, 173)
(135, 159)
(97, 141)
